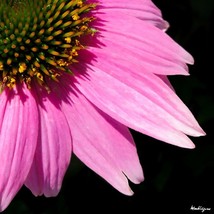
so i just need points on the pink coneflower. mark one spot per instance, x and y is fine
(75, 75)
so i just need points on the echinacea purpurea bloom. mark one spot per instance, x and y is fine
(74, 76)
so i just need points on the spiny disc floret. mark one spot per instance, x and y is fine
(39, 38)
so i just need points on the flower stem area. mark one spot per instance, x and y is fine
(176, 179)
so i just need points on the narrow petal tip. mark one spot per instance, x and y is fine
(201, 132)
(138, 178)
(190, 146)
(190, 59)
(129, 192)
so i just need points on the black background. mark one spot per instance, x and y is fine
(175, 178)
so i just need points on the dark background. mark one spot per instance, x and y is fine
(175, 178)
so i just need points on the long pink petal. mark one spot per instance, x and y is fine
(18, 138)
(154, 91)
(152, 39)
(151, 60)
(131, 108)
(103, 144)
(53, 151)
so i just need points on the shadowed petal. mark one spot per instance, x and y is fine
(53, 151)
(18, 137)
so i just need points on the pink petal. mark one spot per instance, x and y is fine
(144, 39)
(152, 88)
(53, 150)
(132, 108)
(151, 60)
(143, 9)
(18, 137)
(103, 144)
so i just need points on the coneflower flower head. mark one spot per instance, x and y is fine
(38, 37)
(75, 75)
